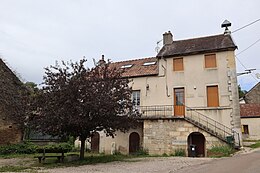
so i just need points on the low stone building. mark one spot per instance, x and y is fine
(253, 95)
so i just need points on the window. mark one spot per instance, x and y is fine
(245, 129)
(212, 96)
(178, 64)
(149, 63)
(210, 61)
(127, 66)
(136, 99)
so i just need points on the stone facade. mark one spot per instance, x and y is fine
(9, 131)
(167, 136)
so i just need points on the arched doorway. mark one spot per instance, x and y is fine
(134, 142)
(198, 139)
(95, 142)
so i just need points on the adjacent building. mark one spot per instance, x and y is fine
(250, 114)
(10, 86)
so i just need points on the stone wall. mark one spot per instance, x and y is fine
(9, 133)
(253, 96)
(166, 136)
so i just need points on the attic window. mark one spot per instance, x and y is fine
(127, 66)
(149, 63)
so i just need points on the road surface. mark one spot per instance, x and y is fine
(242, 163)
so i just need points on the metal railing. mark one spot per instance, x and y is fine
(208, 124)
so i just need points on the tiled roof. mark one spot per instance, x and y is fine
(193, 46)
(138, 68)
(249, 110)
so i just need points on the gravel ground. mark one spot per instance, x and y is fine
(145, 165)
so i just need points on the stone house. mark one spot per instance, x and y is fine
(250, 121)
(186, 95)
(9, 131)
(250, 114)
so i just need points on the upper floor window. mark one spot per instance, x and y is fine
(212, 96)
(210, 61)
(136, 99)
(178, 64)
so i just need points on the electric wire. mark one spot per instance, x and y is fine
(246, 25)
(248, 47)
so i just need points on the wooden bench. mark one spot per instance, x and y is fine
(44, 156)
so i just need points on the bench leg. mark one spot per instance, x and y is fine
(40, 159)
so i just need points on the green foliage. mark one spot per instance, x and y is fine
(256, 145)
(21, 148)
(142, 152)
(30, 148)
(179, 152)
(165, 155)
(9, 168)
(220, 151)
(61, 147)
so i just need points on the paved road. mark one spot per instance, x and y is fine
(243, 163)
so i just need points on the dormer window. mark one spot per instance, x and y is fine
(149, 63)
(127, 66)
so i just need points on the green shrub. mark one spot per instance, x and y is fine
(220, 151)
(179, 152)
(21, 148)
(142, 152)
(255, 145)
(61, 147)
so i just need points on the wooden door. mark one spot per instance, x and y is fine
(134, 142)
(95, 142)
(179, 98)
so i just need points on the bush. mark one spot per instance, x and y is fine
(142, 152)
(255, 145)
(21, 148)
(179, 152)
(220, 151)
(61, 147)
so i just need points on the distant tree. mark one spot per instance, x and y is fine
(78, 101)
(241, 92)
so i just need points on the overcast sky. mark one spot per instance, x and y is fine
(35, 33)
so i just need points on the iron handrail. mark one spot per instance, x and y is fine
(168, 111)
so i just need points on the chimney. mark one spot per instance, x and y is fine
(102, 60)
(167, 38)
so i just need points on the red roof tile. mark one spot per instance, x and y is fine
(249, 110)
(138, 68)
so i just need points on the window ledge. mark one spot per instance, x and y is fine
(212, 68)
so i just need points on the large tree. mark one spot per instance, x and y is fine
(79, 101)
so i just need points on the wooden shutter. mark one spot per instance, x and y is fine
(178, 64)
(210, 61)
(212, 96)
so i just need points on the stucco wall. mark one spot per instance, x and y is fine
(195, 79)
(253, 127)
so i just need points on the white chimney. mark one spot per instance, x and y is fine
(167, 38)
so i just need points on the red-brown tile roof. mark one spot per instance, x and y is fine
(249, 110)
(138, 68)
(199, 45)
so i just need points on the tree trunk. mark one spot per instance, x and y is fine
(82, 148)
